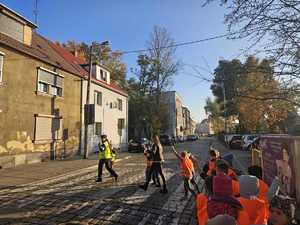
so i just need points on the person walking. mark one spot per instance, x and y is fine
(105, 158)
(156, 166)
(187, 172)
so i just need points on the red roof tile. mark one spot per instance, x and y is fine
(77, 62)
(55, 55)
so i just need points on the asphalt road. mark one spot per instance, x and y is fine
(77, 199)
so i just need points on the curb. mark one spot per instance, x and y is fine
(66, 175)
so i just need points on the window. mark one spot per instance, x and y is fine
(121, 123)
(98, 98)
(98, 129)
(50, 82)
(11, 27)
(103, 75)
(43, 87)
(120, 104)
(1, 66)
(47, 128)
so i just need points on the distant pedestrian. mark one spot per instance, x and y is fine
(156, 166)
(105, 158)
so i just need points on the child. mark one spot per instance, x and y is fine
(187, 168)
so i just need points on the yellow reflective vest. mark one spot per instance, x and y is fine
(106, 154)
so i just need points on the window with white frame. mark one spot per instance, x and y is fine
(120, 106)
(98, 98)
(1, 66)
(50, 82)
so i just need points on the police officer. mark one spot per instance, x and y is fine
(105, 157)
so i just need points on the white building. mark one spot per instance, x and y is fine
(111, 110)
(175, 123)
(205, 127)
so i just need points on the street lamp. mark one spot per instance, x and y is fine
(86, 152)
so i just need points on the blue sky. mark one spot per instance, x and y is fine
(127, 25)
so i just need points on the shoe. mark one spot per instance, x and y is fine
(164, 191)
(99, 180)
(157, 185)
(142, 186)
(153, 184)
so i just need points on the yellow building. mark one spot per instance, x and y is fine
(40, 95)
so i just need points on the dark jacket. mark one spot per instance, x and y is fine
(157, 153)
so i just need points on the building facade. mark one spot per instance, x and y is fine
(111, 110)
(205, 127)
(40, 96)
(175, 123)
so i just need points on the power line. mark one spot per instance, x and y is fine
(180, 44)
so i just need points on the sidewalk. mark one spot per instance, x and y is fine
(26, 174)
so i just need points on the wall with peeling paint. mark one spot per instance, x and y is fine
(19, 101)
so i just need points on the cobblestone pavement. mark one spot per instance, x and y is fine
(77, 199)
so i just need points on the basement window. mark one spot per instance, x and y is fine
(47, 128)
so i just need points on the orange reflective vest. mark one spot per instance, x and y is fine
(202, 216)
(186, 166)
(235, 188)
(263, 190)
(256, 210)
(201, 202)
(243, 218)
(231, 173)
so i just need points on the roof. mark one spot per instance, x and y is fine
(45, 50)
(40, 49)
(77, 64)
(2, 6)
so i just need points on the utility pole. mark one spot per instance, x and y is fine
(87, 107)
(86, 114)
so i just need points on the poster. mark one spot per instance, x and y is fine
(277, 160)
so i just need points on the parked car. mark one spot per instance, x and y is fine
(247, 140)
(191, 138)
(165, 139)
(137, 144)
(236, 142)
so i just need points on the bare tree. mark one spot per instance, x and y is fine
(163, 63)
(271, 26)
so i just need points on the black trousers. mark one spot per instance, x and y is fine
(154, 176)
(108, 166)
(155, 168)
(188, 188)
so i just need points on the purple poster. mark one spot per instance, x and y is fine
(278, 161)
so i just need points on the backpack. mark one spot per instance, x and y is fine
(223, 205)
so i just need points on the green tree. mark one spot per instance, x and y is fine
(270, 27)
(154, 74)
(102, 54)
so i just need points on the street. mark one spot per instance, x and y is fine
(77, 199)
